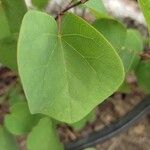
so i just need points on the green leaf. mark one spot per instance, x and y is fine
(143, 75)
(8, 55)
(114, 31)
(71, 69)
(97, 8)
(4, 27)
(81, 124)
(125, 88)
(20, 121)
(11, 15)
(145, 6)
(7, 141)
(44, 137)
(90, 148)
(16, 95)
(130, 52)
(128, 43)
(40, 3)
(14, 10)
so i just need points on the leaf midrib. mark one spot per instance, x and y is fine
(67, 84)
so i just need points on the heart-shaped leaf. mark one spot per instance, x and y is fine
(63, 71)
(44, 137)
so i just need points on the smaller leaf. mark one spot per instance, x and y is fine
(8, 52)
(130, 52)
(97, 8)
(20, 121)
(81, 124)
(4, 27)
(11, 15)
(7, 141)
(145, 6)
(44, 137)
(124, 88)
(90, 148)
(114, 31)
(143, 75)
(40, 3)
(128, 43)
(16, 95)
(14, 10)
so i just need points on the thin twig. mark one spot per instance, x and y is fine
(59, 24)
(70, 7)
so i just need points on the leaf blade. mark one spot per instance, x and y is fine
(145, 6)
(68, 74)
(97, 8)
(4, 27)
(128, 43)
(20, 121)
(14, 11)
(7, 141)
(8, 56)
(35, 140)
(40, 4)
(142, 72)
